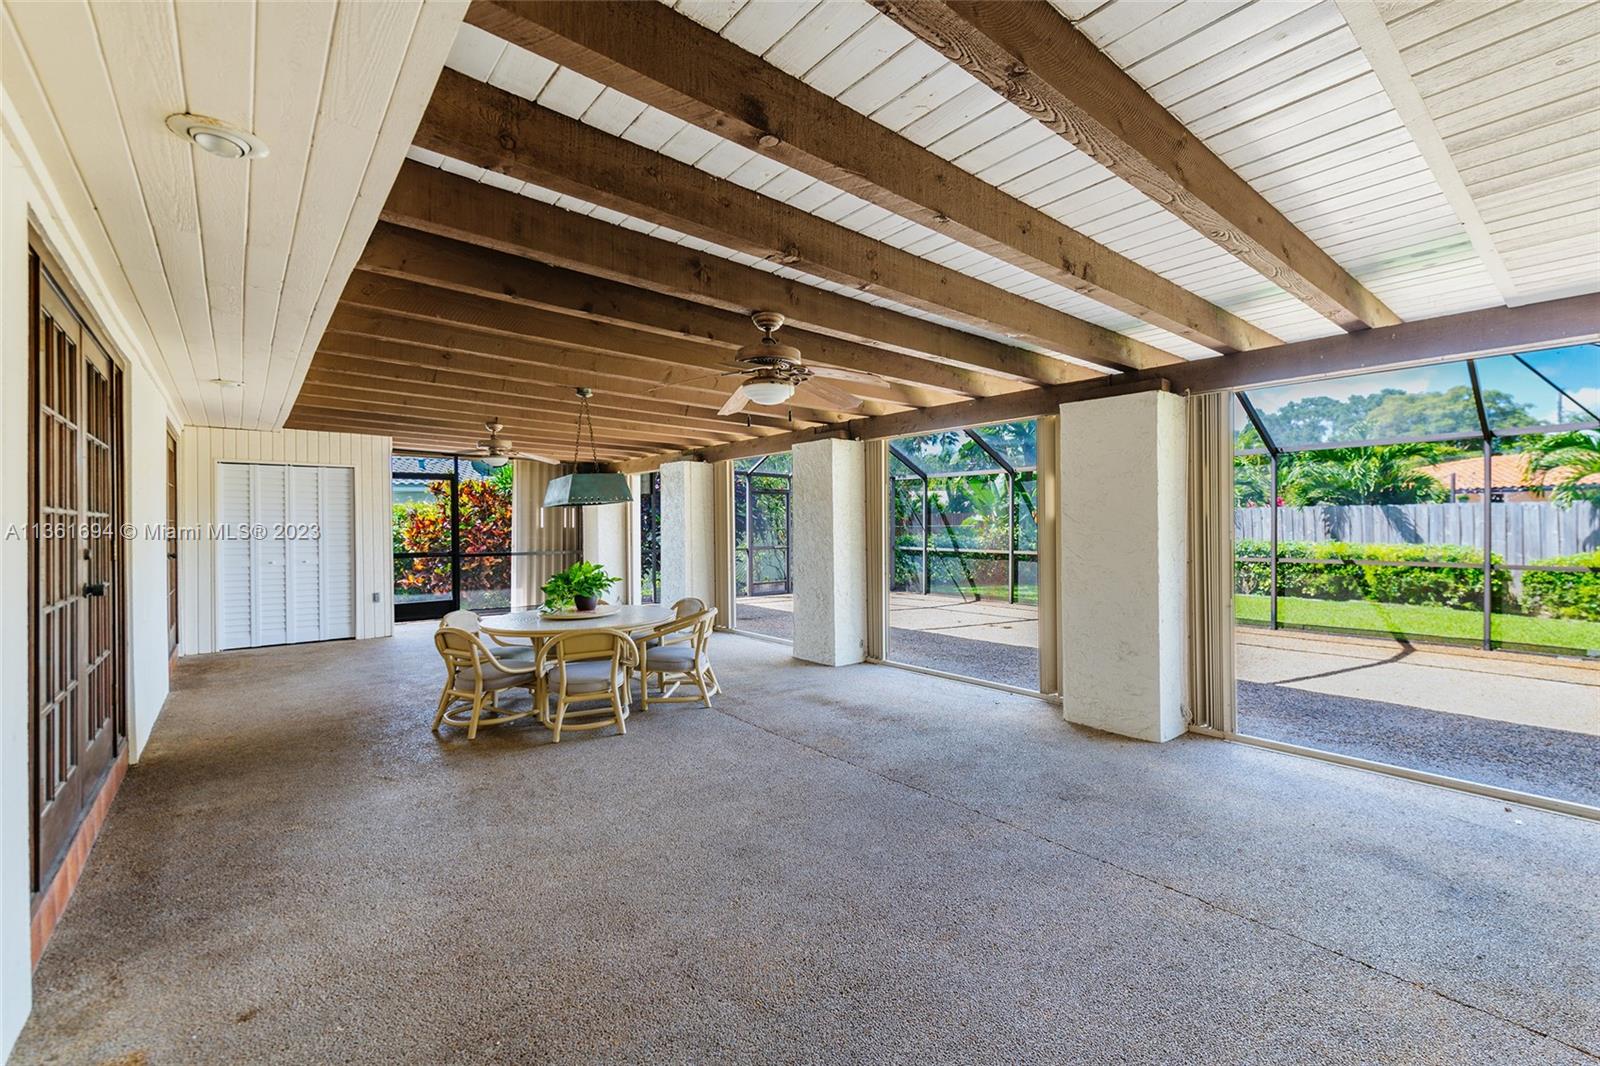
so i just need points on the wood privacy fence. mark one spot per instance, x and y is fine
(1521, 533)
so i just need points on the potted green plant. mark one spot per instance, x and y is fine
(579, 585)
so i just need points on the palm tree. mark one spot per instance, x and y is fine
(1376, 474)
(1571, 456)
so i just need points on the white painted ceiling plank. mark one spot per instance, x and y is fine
(140, 45)
(217, 48)
(92, 175)
(369, 43)
(419, 55)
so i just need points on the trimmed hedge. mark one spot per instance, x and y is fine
(1563, 595)
(1452, 586)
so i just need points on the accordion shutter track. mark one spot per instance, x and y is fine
(879, 551)
(723, 586)
(1047, 520)
(1212, 692)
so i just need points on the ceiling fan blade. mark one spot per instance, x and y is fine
(695, 382)
(736, 402)
(832, 397)
(838, 374)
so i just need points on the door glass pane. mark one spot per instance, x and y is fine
(420, 499)
(483, 524)
(421, 579)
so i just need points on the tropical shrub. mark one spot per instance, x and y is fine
(1564, 594)
(1446, 586)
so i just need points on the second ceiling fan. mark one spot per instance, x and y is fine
(775, 372)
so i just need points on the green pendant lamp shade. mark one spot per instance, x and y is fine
(586, 489)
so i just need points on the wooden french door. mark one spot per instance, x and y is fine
(76, 635)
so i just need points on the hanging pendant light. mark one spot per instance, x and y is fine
(586, 488)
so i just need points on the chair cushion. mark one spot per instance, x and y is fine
(591, 676)
(669, 657)
(495, 680)
(515, 657)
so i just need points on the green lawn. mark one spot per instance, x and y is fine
(1410, 620)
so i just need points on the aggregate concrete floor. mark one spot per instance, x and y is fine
(1523, 722)
(992, 641)
(857, 865)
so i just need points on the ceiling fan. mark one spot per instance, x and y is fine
(775, 371)
(497, 449)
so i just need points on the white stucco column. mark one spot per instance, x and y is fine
(828, 552)
(605, 541)
(1123, 564)
(687, 532)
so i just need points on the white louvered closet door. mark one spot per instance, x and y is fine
(286, 564)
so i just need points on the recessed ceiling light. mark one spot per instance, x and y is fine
(228, 383)
(216, 137)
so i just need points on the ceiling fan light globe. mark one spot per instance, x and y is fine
(768, 393)
(495, 461)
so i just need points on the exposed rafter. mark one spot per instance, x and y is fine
(667, 60)
(696, 361)
(500, 131)
(1036, 59)
(429, 199)
(470, 270)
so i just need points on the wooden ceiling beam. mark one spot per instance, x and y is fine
(502, 393)
(461, 363)
(410, 299)
(432, 357)
(462, 428)
(435, 201)
(447, 263)
(653, 54)
(489, 127)
(520, 425)
(429, 442)
(449, 437)
(1031, 55)
(1448, 338)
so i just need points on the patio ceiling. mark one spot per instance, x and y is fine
(227, 270)
(600, 194)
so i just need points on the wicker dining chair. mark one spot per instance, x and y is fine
(687, 607)
(683, 656)
(506, 651)
(476, 676)
(586, 666)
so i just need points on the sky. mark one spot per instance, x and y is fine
(1576, 369)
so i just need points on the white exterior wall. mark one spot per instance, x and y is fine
(687, 532)
(829, 552)
(605, 541)
(26, 195)
(200, 449)
(1124, 544)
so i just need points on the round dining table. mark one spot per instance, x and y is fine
(536, 628)
(535, 625)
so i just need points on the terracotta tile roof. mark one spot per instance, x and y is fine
(1510, 473)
